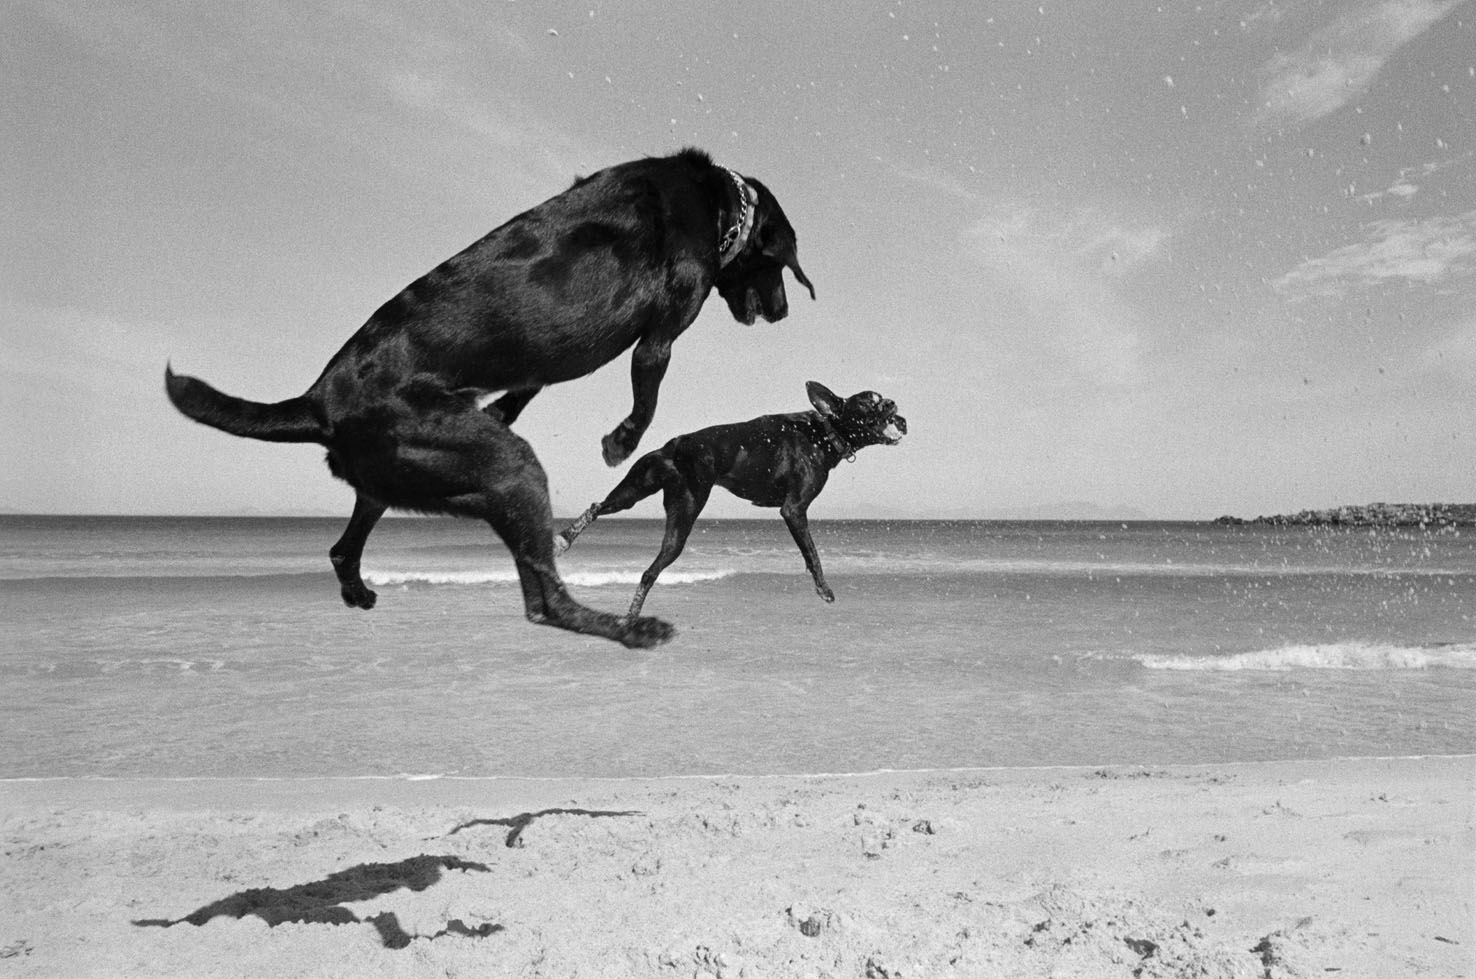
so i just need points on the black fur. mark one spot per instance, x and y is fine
(623, 258)
(775, 461)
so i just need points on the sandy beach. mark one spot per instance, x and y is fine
(1344, 868)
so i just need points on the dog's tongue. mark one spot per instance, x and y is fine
(896, 428)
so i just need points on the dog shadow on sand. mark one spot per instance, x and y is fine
(323, 901)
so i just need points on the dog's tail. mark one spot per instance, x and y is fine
(292, 420)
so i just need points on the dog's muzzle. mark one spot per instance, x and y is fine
(896, 428)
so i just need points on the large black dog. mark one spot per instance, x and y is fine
(625, 257)
(779, 461)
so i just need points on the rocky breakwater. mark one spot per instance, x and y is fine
(1371, 515)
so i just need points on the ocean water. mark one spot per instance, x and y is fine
(162, 647)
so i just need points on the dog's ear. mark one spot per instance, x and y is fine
(778, 234)
(791, 259)
(824, 399)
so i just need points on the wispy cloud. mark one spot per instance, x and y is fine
(1340, 61)
(933, 179)
(1118, 249)
(1086, 238)
(375, 78)
(1419, 252)
(498, 124)
(1064, 273)
(1268, 12)
(1402, 188)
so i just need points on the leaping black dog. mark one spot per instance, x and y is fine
(406, 408)
(775, 461)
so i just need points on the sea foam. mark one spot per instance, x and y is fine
(509, 576)
(1327, 656)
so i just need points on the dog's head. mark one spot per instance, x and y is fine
(752, 284)
(862, 419)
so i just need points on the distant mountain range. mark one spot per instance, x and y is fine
(1044, 511)
(1075, 510)
(1365, 515)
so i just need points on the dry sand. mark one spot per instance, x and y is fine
(1329, 869)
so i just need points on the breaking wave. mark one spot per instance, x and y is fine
(1328, 656)
(509, 576)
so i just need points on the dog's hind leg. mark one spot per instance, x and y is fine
(449, 457)
(650, 473)
(565, 538)
(514, 502)
(684, 500)
(345, 554)
(545, 599)
(798, 521)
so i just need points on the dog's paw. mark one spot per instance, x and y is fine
(359, 597)
(614, 448)
(824, 592)
(646, 632)
(560, 544)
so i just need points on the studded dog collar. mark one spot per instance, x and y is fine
(737, 234)
(847, 452)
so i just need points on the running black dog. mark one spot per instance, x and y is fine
(775, 461)
(625, 257)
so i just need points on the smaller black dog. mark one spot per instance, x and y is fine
(775, 461)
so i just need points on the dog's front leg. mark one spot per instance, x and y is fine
(798, 522)
(647, 368)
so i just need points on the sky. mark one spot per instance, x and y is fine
(1110, 258)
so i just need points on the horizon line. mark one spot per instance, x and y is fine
(658, 518)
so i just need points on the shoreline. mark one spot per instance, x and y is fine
(1359, 867)
(734, 776)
